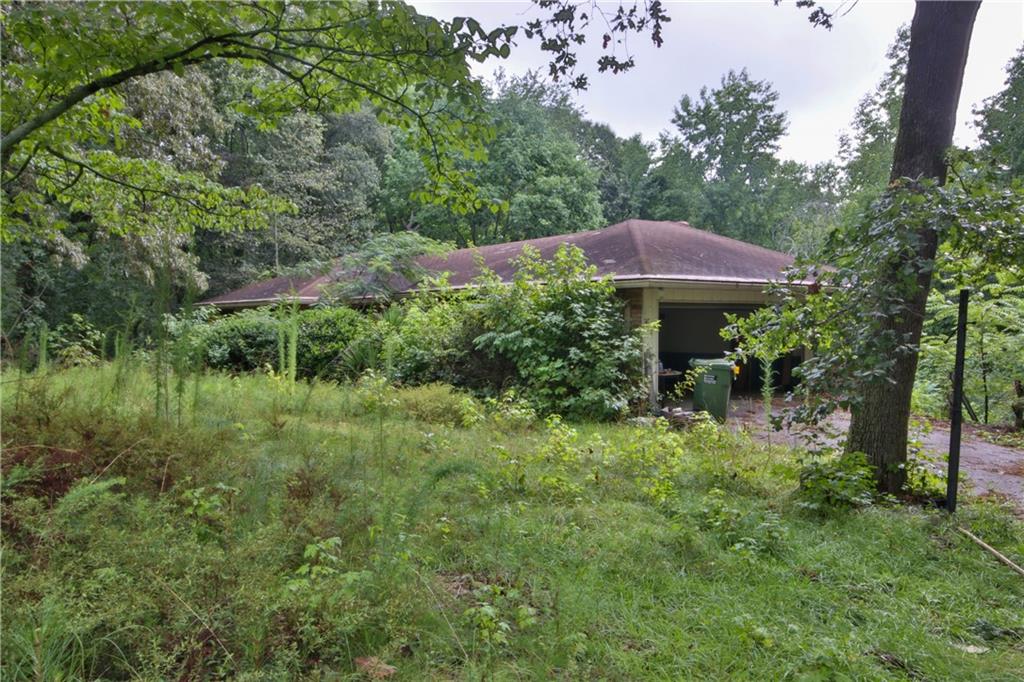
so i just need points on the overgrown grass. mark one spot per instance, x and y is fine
(287, 530)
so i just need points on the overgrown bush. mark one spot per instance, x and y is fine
(556, 333)
(325, 335)
(249, 340)
(438, 404)
(434, 342)
(243, 341)
(76, 342)
(564, 333)
(844, 482)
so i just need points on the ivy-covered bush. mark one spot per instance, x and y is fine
(564, 333)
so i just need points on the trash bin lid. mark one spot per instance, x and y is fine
(713, 363)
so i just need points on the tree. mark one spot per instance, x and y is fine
(60, 103)
(533, 181)
(719, 170)
(866, 152)
(1000, 121)
(329, 168)
(624, 170)
(725, 143)
(940, 34)
(862, 317)
(109, 277)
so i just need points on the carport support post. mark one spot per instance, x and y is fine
(956, 417)
(649, 313)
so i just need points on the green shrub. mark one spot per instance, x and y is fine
(431, 342)
(844, 482)
(746, 532)
(564, 333)
(556, 334)
(437, 404)
(325, 334)
(76, 342)
(243, 342)
(248, 340)
(510, 412)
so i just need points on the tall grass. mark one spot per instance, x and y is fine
(288, 340)
(286, 531)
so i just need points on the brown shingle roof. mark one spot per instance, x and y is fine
(628, 251)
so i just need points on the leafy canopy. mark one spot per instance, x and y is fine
(63, 114)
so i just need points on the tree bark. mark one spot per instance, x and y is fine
(939, 38)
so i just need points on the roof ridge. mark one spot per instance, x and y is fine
(639, 246)
(726, 237)
(566, 235)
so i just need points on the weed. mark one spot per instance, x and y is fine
(135, 547)
(843, 482)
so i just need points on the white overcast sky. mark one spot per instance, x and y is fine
(819, 74)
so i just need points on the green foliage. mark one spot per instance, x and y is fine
(994, 355)
(224, 548)
(245, 341)
(252, 340)
(328, 166)
(324, 334)
(1000, 122)
(838, 312)
(741, 532)
(534, 181)
(866, 152)
(497, 612)
(76, 342)
(438, 403)
(655, 459)
(720, 171)
(555, 333)
(382, 265)
(564, 333)
(59, 107)
(510, 412)
(846, 481)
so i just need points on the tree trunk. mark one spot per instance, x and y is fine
(939, 37)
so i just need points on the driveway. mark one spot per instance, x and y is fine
(985, 468)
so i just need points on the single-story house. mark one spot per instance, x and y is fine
(669, 271)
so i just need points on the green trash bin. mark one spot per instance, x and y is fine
(711, 392)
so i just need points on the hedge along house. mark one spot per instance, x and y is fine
(686, 278)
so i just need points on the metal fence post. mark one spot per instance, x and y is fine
(956, 412)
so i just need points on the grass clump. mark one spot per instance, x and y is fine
(323, 530)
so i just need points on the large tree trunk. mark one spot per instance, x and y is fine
(939, 36)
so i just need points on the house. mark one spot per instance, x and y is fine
(669, 271)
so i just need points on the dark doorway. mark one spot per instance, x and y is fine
(693, 331)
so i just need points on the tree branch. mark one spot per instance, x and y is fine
(143, 191)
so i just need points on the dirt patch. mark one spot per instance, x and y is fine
(48, 471)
